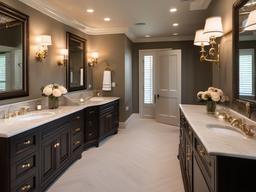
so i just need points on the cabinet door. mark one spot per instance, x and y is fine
(200, 184)
(48, 158)
(63, 148)
(91, 129)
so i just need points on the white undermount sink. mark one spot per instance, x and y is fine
(35, 116)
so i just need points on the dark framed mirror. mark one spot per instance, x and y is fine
(76, 63)
(14, 48)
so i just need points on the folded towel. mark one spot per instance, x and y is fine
(106, 80)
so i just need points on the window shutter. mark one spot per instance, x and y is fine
(2, 73)
(148, 79)
(246, 72)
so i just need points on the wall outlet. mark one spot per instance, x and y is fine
(127, 108)
(113, 84)
(90, 86)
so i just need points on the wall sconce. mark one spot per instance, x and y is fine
(93, 60)
(207, 36)
(63, 57)
(44, 41)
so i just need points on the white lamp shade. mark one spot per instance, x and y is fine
(95, 55)
(201, 38)
(45, 40)
(64, 52)
(213, 27)
(251, 22)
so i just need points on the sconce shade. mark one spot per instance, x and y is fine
(95, 55)
(213, 27)
(45, 40)
(251, 22)
(201, 39)
(64, 52)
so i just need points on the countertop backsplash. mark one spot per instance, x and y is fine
(85, 94)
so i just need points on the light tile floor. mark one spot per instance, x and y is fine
(140, 158)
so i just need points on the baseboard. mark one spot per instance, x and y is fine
(122, 125)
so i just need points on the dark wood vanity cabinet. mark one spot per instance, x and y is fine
(91, 132)
(108, 119)
(202, 172)
(32, 160)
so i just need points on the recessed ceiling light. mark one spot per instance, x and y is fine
(175, 34)
(90, 10)
(147, 36)
(173, 10)
(175, 24)
(107, 19)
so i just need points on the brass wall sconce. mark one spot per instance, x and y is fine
(207, 36)
(93, 60)
(63, 56)
(43, 41)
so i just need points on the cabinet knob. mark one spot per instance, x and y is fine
(78, 117)
(26, 187)
(77, 142)
(90, 134)
(26, 165)
(77, 130)
(56, 145)
(27, 142)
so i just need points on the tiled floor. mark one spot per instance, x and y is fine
(141, 158)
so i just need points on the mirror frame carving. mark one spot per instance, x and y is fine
(7, 10)
(68, 36)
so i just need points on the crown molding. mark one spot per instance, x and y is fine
(199, 5)
(164, 39)
(60, 16)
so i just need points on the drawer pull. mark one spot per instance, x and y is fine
(77, 130)
(201, 150)
(77, 142)
(26, 187)
(77, 117)
(26, 165)
(56, 145)
(27, 142)
(90, 134)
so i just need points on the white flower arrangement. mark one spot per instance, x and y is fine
(212, 94)
(54, 90)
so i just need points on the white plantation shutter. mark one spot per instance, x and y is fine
(2, 73)
(246, 72)
(148, 79)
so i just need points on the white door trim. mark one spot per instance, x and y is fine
(141, 80)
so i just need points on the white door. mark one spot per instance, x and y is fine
(147, 81)
(168, 86)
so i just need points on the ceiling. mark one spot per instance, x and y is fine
(125, 14)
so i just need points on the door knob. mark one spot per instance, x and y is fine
(158, 96)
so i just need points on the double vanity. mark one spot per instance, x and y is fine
(36, 148)
(213, 156)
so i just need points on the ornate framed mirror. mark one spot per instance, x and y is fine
(76, 63)
(14, 43)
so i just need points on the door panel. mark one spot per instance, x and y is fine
(64, 148)
(168, 86)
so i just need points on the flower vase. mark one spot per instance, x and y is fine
(53, 102)
(210, 106)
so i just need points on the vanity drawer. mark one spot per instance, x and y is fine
(106, 109)
(206, 162)
(77, 142)
(23, 145)
(24, 166)
(28, 185)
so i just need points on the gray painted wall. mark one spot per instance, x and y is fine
(41, 74)
(195, 75)
(223, 78)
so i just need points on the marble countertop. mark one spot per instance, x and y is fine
(217, 139)
(16, 125)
